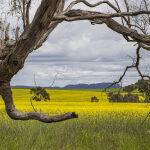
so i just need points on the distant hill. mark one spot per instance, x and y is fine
(22, 87)
(91, 86)
(76, 86)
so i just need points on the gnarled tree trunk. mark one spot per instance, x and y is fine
(13, 113)
(12, 59)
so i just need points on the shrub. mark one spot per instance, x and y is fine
(131, 98)
(130, 88)
(144, 87)
(94, 99)
(118, 97)
(115, 97)
(39, 94)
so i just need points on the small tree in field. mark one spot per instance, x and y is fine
(22, 32)
(94, 99)
(39, 94)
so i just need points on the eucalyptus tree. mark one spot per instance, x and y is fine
(22, 32)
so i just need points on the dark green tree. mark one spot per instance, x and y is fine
(39, 94)
(130, 88)
(144, 87)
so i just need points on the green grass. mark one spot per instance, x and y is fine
(100, 126)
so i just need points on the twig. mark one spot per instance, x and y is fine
(135, 64)
(32, 105)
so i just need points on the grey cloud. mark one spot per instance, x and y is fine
(81, 53)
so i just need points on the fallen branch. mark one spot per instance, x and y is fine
(13, 113)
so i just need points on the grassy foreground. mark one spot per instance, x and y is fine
(101, 126)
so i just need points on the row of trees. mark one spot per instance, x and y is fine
(142, 86)
(118, 97)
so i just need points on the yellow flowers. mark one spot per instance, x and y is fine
(74, 101)
(100, 125)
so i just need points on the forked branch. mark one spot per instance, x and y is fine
(135, 64)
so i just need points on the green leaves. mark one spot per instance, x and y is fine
(39, 94)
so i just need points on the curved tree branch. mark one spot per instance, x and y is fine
(96, 17)
(13, 113)
(86, 15)
(135, 65)
(72, 4)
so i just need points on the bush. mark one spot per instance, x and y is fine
(94, 99)
(131, 98)
(118, 97)
(130, 88)
(39, 94)
(115, 97)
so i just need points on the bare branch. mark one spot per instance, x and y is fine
(135, 64)
(122, 18)
(144, 46)
(87, 15)
(27, 12)
(72, 4)
(146, 7)
(128, 10)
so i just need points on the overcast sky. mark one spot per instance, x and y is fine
(79, 52)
